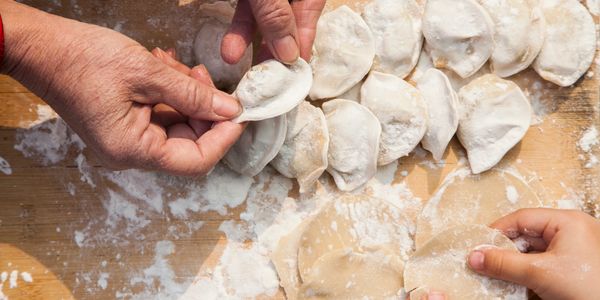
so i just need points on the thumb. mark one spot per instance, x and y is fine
(191, 97)
(508, 265)
(277, 24)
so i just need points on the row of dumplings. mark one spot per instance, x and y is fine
(556, 37)
(350, 139)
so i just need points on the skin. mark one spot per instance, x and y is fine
(138, 109)
(563, 259)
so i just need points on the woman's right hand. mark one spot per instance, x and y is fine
(564, 258)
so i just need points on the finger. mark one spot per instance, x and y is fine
(181, 131)
(532, 222)
(508, 265)
(201, 74)
(168, 59)
(189, 96)
(185, 157)
(173, 53)
(200, 127)
(535, 244)
(240, 33)
(277, 24)
(307, 14)
(166, 116)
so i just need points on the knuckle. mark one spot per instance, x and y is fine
(275, 16)
(495, 262)
(199, 98)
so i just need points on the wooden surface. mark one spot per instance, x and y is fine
(39, 217)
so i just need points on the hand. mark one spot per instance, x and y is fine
(565, 263)
(288, 29)
(105, 87)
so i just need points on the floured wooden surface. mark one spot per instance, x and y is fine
(133, 234)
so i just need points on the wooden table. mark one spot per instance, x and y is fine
(45, 207)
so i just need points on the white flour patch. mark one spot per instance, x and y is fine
(571, 199)
(5, 166)
(512, 194)
(26, 276)
(588, 143)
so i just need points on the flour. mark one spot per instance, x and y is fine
(512, 194)
(5, 166)
(588, 144)
(26, 276)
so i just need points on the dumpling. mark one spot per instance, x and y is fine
(459, 34)
(441, 265)
(442, 107)
(207, 50)
(271, 89)
(495, 115)
(343, 53)
(396, 27)
(400, 109)
(570, 44)
(353, 93)
(346, 274)
(519, 34)
(353, 143)
(473, 199)
(257, 146)
(304, 153)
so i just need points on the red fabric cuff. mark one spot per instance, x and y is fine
(1, 41)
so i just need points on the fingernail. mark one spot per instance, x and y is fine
(476, 260)
(226, 106)
(436, 296)
(286, 49)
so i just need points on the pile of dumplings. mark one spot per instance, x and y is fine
(384, 80)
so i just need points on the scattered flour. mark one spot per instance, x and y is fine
(12, 280)
(512, 194)
(26, 276)
(5, 166)
(588, 143)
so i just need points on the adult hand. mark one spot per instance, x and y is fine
(288, 29)
(105, 87)
(565, 263)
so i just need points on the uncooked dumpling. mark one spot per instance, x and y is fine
(442, 107)
(570, 44)
(441, 265)
(304, 153)
(495, 115)
(271, 89)
(459, 34)
(396, 28)
(353, 93)
(343, 53)
(345, 274)
(207, 49)
(519, 34)
(257, 146)
(401, 111)
(473, 199)
(353, 143)
(357, 222)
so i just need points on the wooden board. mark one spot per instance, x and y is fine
(40, 218)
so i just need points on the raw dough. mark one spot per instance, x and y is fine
(495, 115)
(271, 89)
(473, 199)
(400, 109)
(304, 153)
(570, 44)
(396, 27)
(344, 49)
(207, 50)
(354, 134)
(356, 222)
(519, 34)
(257, 146)
(353, 93)
(285, 260)
(345, 274)
(459, 34)
(441, 265)
(442, 106)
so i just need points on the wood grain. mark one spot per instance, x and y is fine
(39, 217)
